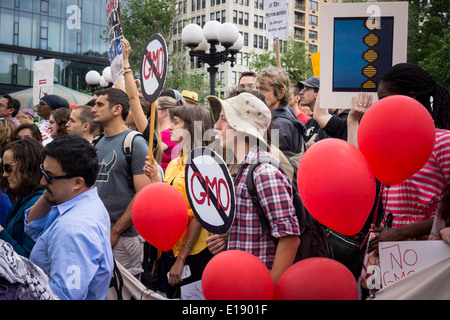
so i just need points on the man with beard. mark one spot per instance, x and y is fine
(70, 224)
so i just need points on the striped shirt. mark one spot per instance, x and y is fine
(275, 196)
(415, 199)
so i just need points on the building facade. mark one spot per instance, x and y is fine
(248, 16)
(67, 30)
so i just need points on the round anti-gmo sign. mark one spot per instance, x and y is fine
(210, 190)
(153, 67)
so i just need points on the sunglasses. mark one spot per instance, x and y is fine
(49, 179)
(306, 89)
(7, 167)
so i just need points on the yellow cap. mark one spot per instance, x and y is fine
(190, 96)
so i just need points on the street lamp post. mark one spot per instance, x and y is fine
(213, 33)
(94, 79)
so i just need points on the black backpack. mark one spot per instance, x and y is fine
(313, 235)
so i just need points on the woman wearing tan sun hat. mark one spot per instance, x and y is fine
(241, 126)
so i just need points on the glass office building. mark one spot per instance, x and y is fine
(70, 31)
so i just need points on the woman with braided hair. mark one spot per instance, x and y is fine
(413, 204)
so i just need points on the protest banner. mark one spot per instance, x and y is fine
(114, 29)
(153, 67)
(277, 23)
(210, 190)
(42, 79)
(359, 41)
(403, 258)
(277, 18)
(153, 76)
(315, 61)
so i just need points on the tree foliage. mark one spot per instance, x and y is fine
(141, 19)
(180, 80)
(293, 58)
(429, 37)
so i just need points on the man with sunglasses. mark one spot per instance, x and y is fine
(70, 224)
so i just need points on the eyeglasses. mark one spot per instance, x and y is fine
(7, 167)
(49, 179)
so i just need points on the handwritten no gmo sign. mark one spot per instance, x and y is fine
(153, 67)
(210, 190)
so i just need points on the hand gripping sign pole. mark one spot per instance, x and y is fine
(153, 77)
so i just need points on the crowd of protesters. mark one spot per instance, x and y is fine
(67, 187)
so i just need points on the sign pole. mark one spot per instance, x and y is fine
(277, 52)
(152, 130)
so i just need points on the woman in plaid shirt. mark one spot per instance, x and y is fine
(243, 121)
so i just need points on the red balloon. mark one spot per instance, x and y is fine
(336, 185)
(397, 136)
(160, 215)
(236, 275)
(316, 279)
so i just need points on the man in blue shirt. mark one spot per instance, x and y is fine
(70, 224)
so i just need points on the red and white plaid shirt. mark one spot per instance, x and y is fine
(275, 196)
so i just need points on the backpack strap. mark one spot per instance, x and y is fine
(127, 147)
(253, 192)
(97, 139)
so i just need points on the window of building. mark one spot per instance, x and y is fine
(313, 20)
(44, 6)
(313, 35)
(313, 5)
(224, 16)
(234, 78)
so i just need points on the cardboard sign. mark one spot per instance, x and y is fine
(402, 258)
(114, 35)
(315, 61)
(277, 18)
(42, 79)
(153, 67)
(210, 190)
(359, 42)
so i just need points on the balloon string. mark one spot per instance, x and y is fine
(380, 195)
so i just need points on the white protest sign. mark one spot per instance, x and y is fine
(192, 291)
(402, 258)
(358, 43)
(114, 35)
(42, 79)
(277, 18)
(210, 190)
(153, 67)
